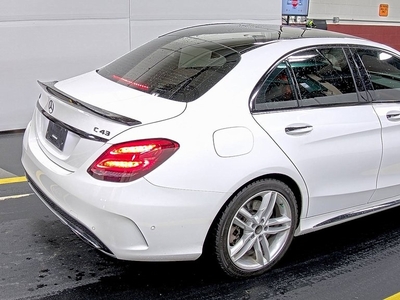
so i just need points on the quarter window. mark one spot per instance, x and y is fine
(277, 91)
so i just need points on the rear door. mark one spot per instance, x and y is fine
(329, 131)
(383, 70)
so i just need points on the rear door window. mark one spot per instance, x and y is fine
(312, 77)
(324, 77)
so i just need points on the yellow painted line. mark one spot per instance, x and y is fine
(12, 180)
(15, 196)
(394, 297)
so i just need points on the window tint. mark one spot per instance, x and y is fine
(180, 69)
(321, 77)
(277, 91)
(324, 77)
(384, 73)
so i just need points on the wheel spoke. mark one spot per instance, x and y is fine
(283, 220)
(240, 223)
(242, 246)
(267, 206)
(277, 225)
(245, 213)
(263, 256)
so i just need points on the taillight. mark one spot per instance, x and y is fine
(131, 160)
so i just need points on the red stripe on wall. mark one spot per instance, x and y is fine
(389, 35)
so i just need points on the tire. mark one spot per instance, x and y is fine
(255, 228)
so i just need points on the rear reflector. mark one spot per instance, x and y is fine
(131, 160)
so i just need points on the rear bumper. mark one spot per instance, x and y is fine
(130, 221)
(78, 228)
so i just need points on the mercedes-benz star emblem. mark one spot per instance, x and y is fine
(51, 106)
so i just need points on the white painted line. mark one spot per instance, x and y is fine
(15, 196)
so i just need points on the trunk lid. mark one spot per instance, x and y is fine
(75, 117)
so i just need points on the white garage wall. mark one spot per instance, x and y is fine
(54, 39)
(152, 18)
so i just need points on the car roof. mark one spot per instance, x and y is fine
(243, 37)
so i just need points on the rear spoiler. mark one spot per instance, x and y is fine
(51, 89)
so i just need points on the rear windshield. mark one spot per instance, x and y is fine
(176, 68)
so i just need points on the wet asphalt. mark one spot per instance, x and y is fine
(42, 259)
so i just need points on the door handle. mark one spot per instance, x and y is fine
(295, 129)
(393, 115)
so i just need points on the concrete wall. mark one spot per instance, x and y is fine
(361, 18)
(53, 39)
(354, 10)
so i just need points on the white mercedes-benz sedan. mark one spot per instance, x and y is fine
(226, 139)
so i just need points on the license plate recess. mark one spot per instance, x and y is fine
(56, 135)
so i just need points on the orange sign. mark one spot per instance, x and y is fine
(383, 10)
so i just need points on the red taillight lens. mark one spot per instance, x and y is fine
(131, 160)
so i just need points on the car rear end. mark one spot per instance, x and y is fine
(62, 147)
(94, 138)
